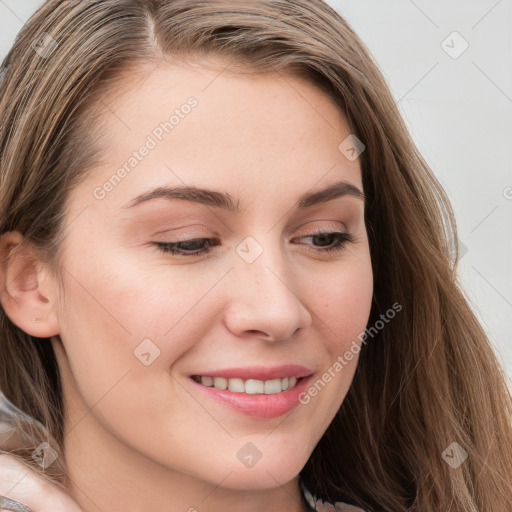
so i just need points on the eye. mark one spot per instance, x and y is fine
(192, 247)
(331, 241)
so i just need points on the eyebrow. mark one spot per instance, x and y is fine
(224, 201)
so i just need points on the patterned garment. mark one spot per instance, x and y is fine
(320, 505)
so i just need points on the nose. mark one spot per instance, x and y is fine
(263, 302)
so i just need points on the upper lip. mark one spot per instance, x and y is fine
(260, 372)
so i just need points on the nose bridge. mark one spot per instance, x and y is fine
(264, 296)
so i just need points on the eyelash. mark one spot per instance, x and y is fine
(343, 237)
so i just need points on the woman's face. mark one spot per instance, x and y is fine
(262, 292)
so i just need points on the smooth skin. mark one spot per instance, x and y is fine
(142, 437)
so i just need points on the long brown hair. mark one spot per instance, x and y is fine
(427, 380)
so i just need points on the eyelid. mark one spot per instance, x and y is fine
(200, 231)
(187, 237)
(335, 226)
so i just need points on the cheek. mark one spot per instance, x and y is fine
(342, 303)
(126, 321)
(122, 331)
(126, 299)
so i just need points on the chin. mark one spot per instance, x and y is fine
(264, 474)
(241, 480)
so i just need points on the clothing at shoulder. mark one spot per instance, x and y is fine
(324, 506)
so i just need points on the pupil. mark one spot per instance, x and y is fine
(324, 238)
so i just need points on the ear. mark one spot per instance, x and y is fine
(27, 290)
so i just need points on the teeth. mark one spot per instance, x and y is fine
(219, 383)
(207, 381)
(236, 385)
(249, 386)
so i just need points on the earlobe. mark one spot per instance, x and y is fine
(26, 288)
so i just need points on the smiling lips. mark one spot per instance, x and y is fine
(254, 379)
(256, 391)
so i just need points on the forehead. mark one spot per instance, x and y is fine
(202, 124)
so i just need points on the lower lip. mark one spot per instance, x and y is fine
(258, 405)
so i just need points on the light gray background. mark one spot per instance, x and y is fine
(459, 111)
